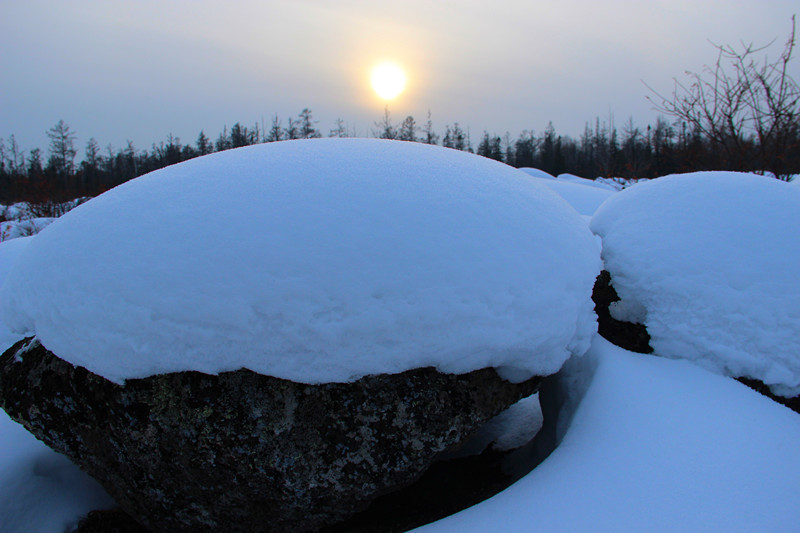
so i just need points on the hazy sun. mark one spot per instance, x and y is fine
(388, 80)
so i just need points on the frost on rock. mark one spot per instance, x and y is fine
(315, 261)
(712, 257)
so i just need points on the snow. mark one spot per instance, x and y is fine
(572, 178)
(656, 445)
(585, 199)
(41, 491)
(536, 173)
(712, 257)
(335, 258)
(17, 211)
(14, 229)
(9, 252)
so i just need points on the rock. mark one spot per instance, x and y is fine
(628, 335)
(109, 521)
(240, 451)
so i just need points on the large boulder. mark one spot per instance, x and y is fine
(271, 336)
(245, 452)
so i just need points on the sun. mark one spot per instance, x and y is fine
(388, 80)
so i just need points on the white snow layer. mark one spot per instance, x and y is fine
(660, 446)
(333, 259)
(536, 173)
(712, 257)
(9, 252)
(600, 184)
(41, 491)
(585, 199)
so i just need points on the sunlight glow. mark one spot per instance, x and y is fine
(388, 80)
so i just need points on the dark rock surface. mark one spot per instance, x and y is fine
(628, 335)
(109, 521)
(244, 452)
(445, 488)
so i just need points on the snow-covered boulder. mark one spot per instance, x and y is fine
(334, 259)
(708, 262)
(328, 337)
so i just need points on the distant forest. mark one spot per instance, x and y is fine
(602, 150)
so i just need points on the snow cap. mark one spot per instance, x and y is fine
(316, 261)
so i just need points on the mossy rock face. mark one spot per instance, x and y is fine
(240, 451)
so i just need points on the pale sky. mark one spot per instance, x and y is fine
(140, 70)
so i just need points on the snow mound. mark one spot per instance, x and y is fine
(585, 199)
(536, 173)
(712, 258)
(572, 178)
(336, 258)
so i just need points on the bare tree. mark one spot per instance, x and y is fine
(13, 155)
(385, 128)
(62, 149)
(429, 136)
(339, 129)
(747, 107)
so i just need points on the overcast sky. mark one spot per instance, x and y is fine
(140, 70)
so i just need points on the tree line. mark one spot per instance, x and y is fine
(601, 150)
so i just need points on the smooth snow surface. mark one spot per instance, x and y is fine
(572, 178)
(584, 198)
(712, 257)
(536, 173)
(41, 491)
(332, 259)
(9, 252)
(656, 445)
